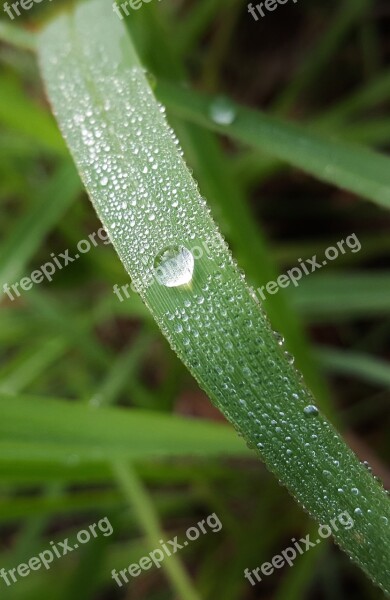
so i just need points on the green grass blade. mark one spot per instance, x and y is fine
(25, 239)
(373, 93)
(252, 250)
(343, 295)
(17, 36)
(148, 201)
(36, 429)
(352, 167)
(31, 365)
(19, 113)
(356, 364)
(122, 371)
(350, 11)
(144, 509)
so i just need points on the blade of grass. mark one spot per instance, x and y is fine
(122, 372)
(19, 113)
(17, 36)
(17, 250)
(31, 366)
(354, 168)
(343, 295)
(245, 234)
(373, 93)
(347, 16)
(362, 366)
(143, 507)
(35, 429)
(88, 61)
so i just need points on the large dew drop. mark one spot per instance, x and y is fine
(174, 266)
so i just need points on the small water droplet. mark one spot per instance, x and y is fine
(290, 358)
(174, 266)
(222, 111)
(279, 338)
(310, 410)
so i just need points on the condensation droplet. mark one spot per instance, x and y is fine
(222, 111)
(310, 410)
(174, 266)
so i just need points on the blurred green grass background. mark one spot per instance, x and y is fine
(70, 350)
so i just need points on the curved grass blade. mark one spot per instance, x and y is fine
(149, 203)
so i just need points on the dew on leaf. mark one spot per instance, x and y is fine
(310, 410)
(174, 266)
(222, 111)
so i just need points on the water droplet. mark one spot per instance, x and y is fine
(384, 520)
(310, 410)
(174, 266)
(152, 80)
(278, 337)
(290, 358)
(358, 511)
(222, 111)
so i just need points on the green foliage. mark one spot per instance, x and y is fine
(70, 349)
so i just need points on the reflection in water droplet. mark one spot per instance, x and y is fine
(174, 266)
(310, 410)
(222, 111)
(279, 338)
